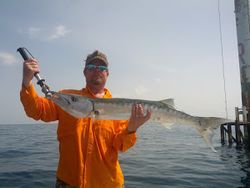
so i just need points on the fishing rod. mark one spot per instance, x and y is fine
(45, 88)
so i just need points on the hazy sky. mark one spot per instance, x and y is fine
(157, 49)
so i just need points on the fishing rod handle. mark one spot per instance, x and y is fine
(40, 81)
(23, 53)
(26, 56)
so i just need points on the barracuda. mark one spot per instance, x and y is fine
(163, 112)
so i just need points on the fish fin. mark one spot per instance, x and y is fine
(167, 125)
(169, 102)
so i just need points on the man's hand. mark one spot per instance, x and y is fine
(30, 67)
(137, 117)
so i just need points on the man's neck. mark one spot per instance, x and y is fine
(98, 92)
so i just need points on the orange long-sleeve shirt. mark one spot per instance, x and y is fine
(88, 148)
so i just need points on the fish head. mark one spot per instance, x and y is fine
(76, 105)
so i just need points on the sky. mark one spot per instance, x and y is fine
(157, 49)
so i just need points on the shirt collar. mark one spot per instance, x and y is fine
(87, 92)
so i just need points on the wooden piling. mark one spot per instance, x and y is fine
(238, 133)
(245, 136)
(222, 134)
(236, 136)
(241, 130)
(229, 133)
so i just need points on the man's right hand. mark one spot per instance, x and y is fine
(30, 67)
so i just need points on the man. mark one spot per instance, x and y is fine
(88, 148)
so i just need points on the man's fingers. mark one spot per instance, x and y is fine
(133, 113)
(138, 117)
(138, 111)
(148, 115)
(32, 64)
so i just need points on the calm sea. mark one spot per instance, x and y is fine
(175, 158)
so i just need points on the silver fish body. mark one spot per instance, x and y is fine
(163, 112)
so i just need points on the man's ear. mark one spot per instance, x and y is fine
(84, 70)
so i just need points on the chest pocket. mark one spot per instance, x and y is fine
(104, 134)
(71, 128)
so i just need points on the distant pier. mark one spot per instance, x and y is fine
(236, 132)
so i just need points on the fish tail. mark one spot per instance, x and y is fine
(206, 127)
(208, 134)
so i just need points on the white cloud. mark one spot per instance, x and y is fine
(52, 33)
(34, 32)
(7, 58)
(59, 31)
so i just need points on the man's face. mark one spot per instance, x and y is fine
(96, 76)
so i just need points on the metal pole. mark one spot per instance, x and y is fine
(242, 15)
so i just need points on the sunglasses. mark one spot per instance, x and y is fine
(101, 68)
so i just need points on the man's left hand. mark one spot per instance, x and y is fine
(137, 117)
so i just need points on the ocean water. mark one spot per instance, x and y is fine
(161, 158)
